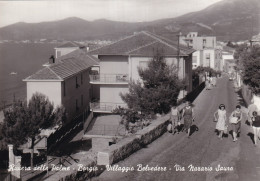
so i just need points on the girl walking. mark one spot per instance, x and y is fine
(175, 119)
(235, 121)
(221, 117)
(187, 115)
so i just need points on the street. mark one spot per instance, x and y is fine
(202, 149)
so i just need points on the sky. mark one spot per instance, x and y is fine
(35, 11)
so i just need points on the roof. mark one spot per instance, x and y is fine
(65, 66)
(70, 44)
(143, 44)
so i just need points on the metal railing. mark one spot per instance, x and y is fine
(109, 78)
(107, 130)
(105, 106)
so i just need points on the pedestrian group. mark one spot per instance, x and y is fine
(221, 119)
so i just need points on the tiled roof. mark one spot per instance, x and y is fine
(65, 67)
(70, 44)
(80, 54)
(142, 43)
(44, 74)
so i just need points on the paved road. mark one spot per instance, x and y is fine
(203, 149)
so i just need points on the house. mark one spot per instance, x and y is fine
(67, 48)
(120, 60)
(65, 81)
(199, 42)
(208, 54)
(229, 67)
(226, 55)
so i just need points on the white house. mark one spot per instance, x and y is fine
(119, 64)
(67, 48)
(65, 82)
(207, 54)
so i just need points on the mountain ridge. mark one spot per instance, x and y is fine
(232, 20)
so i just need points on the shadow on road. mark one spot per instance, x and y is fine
(240, 98)
(251, 135)
(193, 128)
(247, 123)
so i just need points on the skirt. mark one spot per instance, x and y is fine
(236, 127)
(187, 122)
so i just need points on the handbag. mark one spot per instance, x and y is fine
(169, 127)
(225, 130)
(233, 120)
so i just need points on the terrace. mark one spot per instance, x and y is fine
(109, 79)
(105, 107)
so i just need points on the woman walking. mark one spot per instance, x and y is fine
(235, 121)
(256, 126)
(187, 115)
(221, 117)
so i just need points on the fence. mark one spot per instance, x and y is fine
(105, 106)
(109, 78)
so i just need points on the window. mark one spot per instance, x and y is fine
(77, 107)
(64, 89)
(194, 59)
(204, 41)
(81, 100)
(207, 56)
(81, 78)
(77, 85)
(143, 64)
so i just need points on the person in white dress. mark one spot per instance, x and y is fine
(221, 117)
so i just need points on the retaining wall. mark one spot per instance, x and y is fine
(129, 145)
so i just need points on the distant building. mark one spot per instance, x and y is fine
(255, 40)
(120, 60)
(67, 48)
(208, 54)
(229, 66)
(226, 55)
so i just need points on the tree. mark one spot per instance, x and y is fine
(156, 93)
(23, 122)
(250, 60)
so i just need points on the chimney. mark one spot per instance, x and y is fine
(52, 60)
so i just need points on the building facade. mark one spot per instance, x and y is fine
(119, 64)
(207, 53)
(67, 48)
(65, 82)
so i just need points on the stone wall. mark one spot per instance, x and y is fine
(129, 145)
(247, 94)
(120, 150)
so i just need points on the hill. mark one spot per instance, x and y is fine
(233, 20)
(228, 19)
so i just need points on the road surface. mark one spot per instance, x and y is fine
(203, 149)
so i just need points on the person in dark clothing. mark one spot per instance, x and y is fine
(256, 126)
(187, 115)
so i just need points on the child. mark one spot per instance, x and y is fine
(175, 119)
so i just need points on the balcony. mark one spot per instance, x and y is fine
(105, 107)
(109, 79)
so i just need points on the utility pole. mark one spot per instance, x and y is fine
(178, 58)
(178, 51)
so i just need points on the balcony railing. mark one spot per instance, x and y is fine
(109, 78)
(105, 106)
